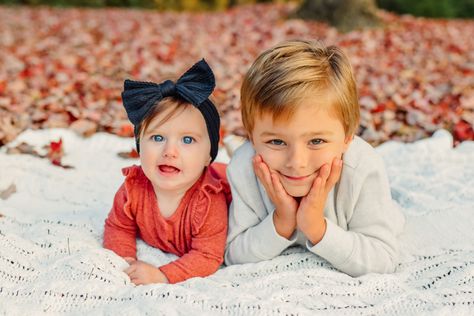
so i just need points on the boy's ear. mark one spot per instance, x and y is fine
(250, 138)
(347, 141)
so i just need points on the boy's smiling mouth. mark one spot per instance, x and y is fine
(297, 178)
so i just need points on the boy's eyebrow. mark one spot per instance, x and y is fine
(268, 134)
(318, 133)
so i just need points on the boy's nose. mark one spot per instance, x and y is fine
(297, 159)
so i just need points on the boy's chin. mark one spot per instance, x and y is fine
(297, 191)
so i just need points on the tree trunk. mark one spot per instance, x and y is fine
(345, 15)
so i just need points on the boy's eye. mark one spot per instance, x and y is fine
(276, 142)
(188, 139)
(157, 138)
(317, 141)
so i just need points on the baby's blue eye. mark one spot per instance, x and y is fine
(188, 139)
(316, 141)
(158, 138)
(277, 142)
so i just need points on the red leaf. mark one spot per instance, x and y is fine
(463, 131)
(126, 130)
(379, 108)
(56, 152)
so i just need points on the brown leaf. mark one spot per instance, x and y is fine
(24, 148)
(84, 128)
(5, 194)
(132, 154)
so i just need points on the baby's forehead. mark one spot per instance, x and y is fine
(184, 119)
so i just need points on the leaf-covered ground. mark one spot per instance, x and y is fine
(65, 67)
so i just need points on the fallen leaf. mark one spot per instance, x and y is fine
(5, 194)
(132, 154)
(84, 128)
(24, 148)
(463, 131)
(411, 65)
(56, 152)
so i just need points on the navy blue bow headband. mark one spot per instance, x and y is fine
(194, 86)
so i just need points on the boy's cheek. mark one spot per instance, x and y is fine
(271, 159)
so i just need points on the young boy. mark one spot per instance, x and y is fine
(304, 178)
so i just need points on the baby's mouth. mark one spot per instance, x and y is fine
(168, 169)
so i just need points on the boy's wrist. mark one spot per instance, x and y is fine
(316, 233)
(285, 227)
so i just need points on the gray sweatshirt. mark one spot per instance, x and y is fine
(362, 219)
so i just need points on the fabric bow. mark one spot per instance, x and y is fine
(195, 86)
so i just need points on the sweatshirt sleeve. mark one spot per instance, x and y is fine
(370, 242)
(208, 241)
(252, 235)
(120, 227)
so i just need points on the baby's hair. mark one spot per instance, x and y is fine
(284, 76)
(176, 105)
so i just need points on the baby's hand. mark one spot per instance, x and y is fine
(129, 259)
(310, 216)
(284, 217)
(144, 273)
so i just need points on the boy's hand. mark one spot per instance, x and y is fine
(284, 217)
(310, 216)
(144, 273)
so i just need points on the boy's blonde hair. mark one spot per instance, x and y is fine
(282, 77)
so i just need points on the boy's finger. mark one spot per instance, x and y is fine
(279, 189)
(263, 173)
(316, 189)
(258, 170)
(324, 172)
(336, 169)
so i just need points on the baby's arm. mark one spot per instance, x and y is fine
(370, 242)
(208, 241)
(120, 227)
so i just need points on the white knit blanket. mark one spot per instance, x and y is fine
(52, 262)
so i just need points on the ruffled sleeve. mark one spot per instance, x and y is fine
(120, 227)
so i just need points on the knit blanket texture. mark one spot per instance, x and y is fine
(52, 261)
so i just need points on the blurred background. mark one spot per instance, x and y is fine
(63, 62)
